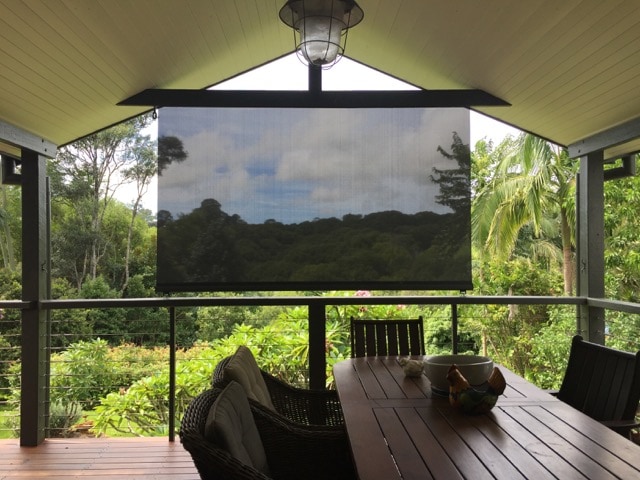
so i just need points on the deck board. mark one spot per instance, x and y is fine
(97, 458)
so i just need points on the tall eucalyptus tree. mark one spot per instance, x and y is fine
(86, 176)
(143, 167)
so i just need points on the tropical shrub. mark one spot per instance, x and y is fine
(88, 371)
(550, 350)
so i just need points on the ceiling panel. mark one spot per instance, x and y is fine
(569, 69)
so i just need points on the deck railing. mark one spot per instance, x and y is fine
(317, 307)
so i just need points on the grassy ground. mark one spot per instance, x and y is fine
(8, 418)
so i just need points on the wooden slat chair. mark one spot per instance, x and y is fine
(387, 337)
(603, 383)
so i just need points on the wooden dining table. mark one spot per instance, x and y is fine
(399, 429)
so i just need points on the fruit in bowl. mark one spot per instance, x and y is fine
(475, 368)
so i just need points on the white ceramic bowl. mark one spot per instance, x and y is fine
(475, 368)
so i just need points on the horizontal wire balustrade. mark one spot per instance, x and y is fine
(317, 362)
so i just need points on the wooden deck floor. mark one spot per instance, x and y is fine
(97, 459)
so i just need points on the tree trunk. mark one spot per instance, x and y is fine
(567, 255)
(7, 247)
(127, 253)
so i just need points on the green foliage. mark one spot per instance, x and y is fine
(524, 203)
(62, 417)
(10, 226)
(218, 322)
(622, 331)
(8, 355)
(622, 243)
(509, 333)
(87, 371)
(144, 326)
(67, 326)
(209, 245)
(108, 322)
(550, 350)
(93, 235)
(141, 409)
(10, 289)
(438, 339)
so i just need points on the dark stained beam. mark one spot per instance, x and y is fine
(628, 169)
(20, 138)
(308, 99)
(609, 138)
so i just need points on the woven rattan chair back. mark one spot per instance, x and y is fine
(293, 453)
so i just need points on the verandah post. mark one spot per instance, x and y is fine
(317, 335)
(34, 356)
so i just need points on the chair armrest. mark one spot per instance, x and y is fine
(620, 423)
(214, 463)
(211, 461)
(307, 407)
(623, 427)
(217, 377)
(310, 452)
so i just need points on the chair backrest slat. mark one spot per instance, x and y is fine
(358, 345)
(388, 334)
(380, 339)
(387, 337)
(602, 382)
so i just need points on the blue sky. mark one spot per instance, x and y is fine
(292, 165)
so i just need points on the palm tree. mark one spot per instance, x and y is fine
(531, 187)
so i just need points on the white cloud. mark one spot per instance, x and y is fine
(317, 152)
(298, 164)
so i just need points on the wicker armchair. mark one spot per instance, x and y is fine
(303, 406)
(292, 453)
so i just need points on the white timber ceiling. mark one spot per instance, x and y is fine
(570, 69)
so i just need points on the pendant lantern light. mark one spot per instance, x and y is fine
(320, 28)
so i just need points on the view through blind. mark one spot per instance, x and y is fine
(313, 198)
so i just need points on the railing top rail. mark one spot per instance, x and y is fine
(19, 304)
(311, 300)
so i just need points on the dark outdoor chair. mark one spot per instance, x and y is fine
(300, 405)
(387, 337)
(604, 383)
(229, 439)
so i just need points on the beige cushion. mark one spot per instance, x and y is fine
(230, 425)
(243, 369)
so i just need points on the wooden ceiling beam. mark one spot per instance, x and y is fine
(308, 99)
(19, 138)
(609, 138)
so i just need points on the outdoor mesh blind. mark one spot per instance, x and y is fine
(293, 199)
